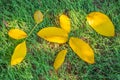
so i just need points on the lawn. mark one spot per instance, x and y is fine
(38, 63)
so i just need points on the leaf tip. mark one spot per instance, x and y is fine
(12, 63)
(91, 61)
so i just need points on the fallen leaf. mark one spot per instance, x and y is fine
(60, 59)
(19, 53)
(101, 23)
(53, 34)
(65, 23)
(82, 49)
(38, 16)
(17, 34)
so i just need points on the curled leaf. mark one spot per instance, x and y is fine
(17, 34)
(60, 59)
(19, 53)
(65, 23)
(53, 34)
(101, 23)
(38, 16)
(82, 49)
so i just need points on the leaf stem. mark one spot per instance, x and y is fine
(31, 31)
(34, 27)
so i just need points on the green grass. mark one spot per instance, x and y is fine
(38, 64)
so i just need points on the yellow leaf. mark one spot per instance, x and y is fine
(101, 23)
(19, 53)
(17, 34)
(82, 49)
(65, 23)
(53, 34)
(60, 59)
(38, 16)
